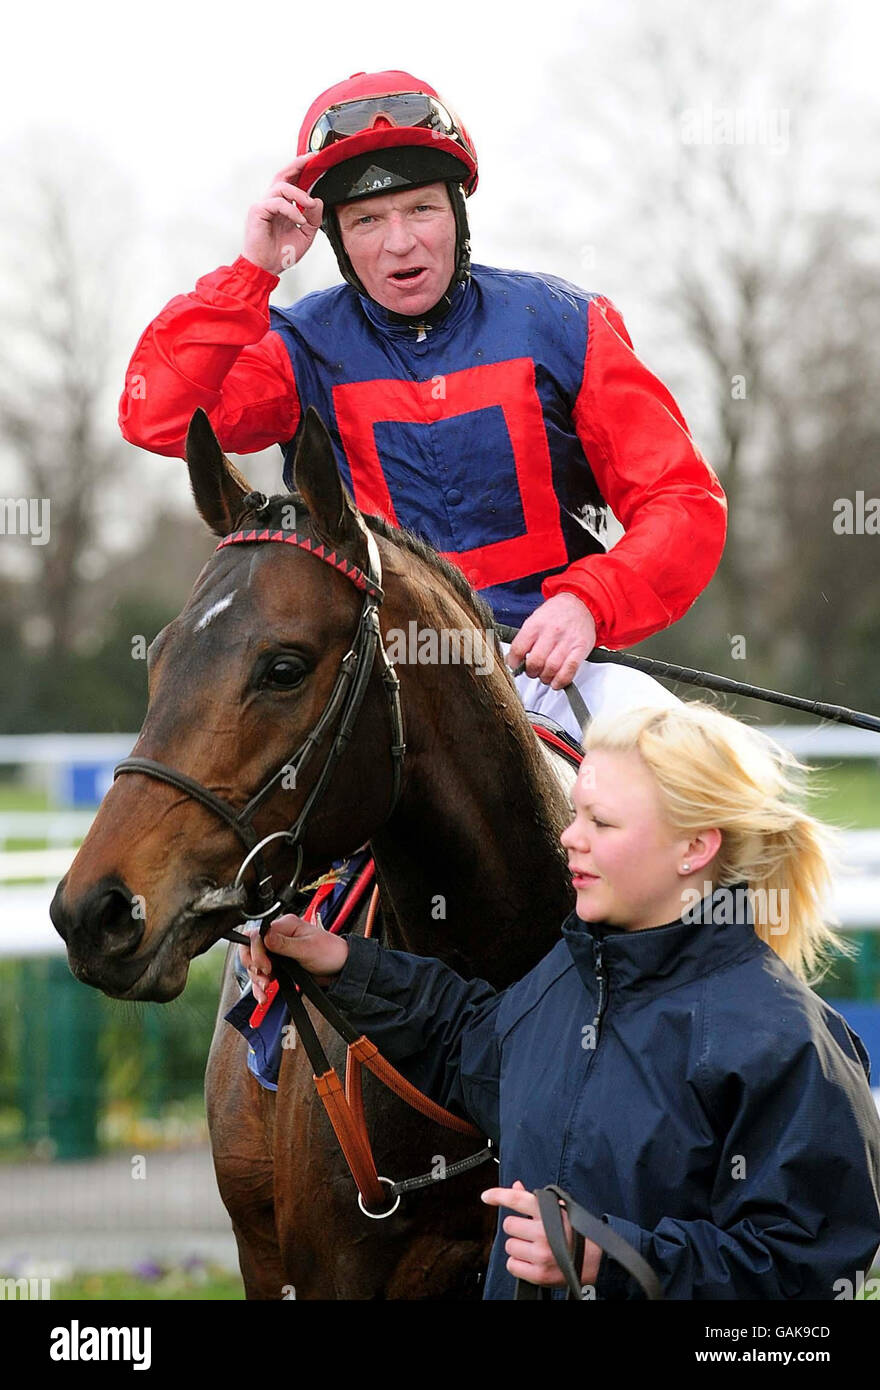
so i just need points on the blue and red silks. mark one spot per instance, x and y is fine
(500, 434)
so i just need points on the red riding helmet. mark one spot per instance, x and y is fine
(377, 111)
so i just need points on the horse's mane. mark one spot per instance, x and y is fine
(406, 540)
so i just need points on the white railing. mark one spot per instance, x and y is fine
(53, 827)
(28, 876)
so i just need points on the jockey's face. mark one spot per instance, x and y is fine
(411, 229)
(626, 859)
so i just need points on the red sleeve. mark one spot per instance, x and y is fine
(666, 497)
(212, 348)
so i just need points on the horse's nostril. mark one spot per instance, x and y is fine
(115, 915)
(108, 918)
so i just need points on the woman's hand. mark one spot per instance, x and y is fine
(530, 1255)
(282, 226)
(317, 950)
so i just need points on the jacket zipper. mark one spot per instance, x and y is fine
(602, 982)
(601, 1005)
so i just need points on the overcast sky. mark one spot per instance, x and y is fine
(192, 100)
(181, 91)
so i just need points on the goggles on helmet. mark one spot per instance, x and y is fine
(413, 109)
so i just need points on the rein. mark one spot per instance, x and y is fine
(707, 680)
(343, 707)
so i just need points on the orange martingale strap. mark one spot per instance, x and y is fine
(354, 1092)
(353, 1140)
(345, 1108)
(368, 1055)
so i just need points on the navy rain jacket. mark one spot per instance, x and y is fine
(680, 1082)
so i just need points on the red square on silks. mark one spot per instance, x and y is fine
(509, 385)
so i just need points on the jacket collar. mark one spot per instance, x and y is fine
(439, 319)
(715, 932)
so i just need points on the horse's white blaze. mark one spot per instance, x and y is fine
(215, 608)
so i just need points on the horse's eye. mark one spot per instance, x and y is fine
(285, 673)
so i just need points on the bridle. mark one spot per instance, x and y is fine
(343, 707)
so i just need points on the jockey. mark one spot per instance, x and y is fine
(497, 414)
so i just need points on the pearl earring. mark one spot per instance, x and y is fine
(685, 868)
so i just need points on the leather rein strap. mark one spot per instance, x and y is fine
(551, 1201)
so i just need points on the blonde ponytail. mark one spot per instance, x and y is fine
(713, 771)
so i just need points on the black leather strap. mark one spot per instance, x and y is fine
(576, 701)
(551, 1217)
(551, 1200)
(452, 1170)
(194, 789)
(578, 706)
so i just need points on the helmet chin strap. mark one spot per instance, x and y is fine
(460, 275)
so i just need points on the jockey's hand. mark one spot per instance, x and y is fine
(282, 226)
(317, 950)
(554, 640)
(530, 1256)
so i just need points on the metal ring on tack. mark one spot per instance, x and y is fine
(276, 835)
(261, 916)
(380, 1215)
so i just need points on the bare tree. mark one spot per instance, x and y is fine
(65, 243)
(707, 175)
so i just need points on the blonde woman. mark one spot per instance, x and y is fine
(667, 1063)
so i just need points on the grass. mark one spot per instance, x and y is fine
(848, 793)
(181, 1284)
(210, 1283)
(17, 798)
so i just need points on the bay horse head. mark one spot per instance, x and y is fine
(240, 679)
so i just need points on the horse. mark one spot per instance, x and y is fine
(465, 841)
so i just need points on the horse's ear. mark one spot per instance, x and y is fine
(217, 485)
(332, 512)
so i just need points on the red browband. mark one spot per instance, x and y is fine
(339, 562)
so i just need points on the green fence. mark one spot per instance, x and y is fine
(75, 1067)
